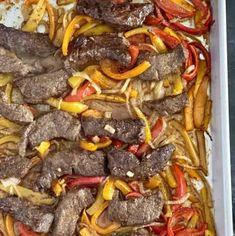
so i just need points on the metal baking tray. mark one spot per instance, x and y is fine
(220, 167)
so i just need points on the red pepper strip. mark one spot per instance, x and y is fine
(202, 7)
(136, 39)
(117, 144)
(135, 186)
(193, 73)
(134, 52)
(133, 148)
(24, 231)
(205, 53)
(84, 181)
(170, 41)
(181, 182)
(133, 195)
(85, 90)
(152, 20)
(162, 230)
(182, 214)
(193, 232)
(174, 9)
(155, 131)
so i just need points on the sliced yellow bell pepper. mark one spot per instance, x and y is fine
(74, 107)
(93, 113)
(99, 30)
(64, 2)
(201, 73)
(36, 16)
(207, 114)
(110, 69)
(8, 92)
(9, 124)
(52, 19)
(5, 79)
(85, 232)
(72, 27)
(9, 223)
(184, 4)
(153, 182)
(104, 97)
(140, 114)
(170, 178)
(192, 173)
(89, 146)
(171, 32)
(43, 148)
(122, 186)
(85, 219)
(76, 81)
(178, 85)
(58, 187)
(86, 27)
(9, 138)
(105, 231)
(109, 189)
(158, 43)
(135, 31)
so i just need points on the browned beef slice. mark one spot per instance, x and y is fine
(137, 211)
(89, 50)
(15, 112)
(127, 130)
(168, 105)
(38, 88)
(70, 162)
(121, 162)
(25, 43)
(126, 15)
(68, 211)
(38, 218)
(14, 166)
(162, 65)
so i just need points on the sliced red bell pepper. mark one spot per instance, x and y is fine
(133, 148)
(174, 9)
(152, 20)
(181, 182)
(155, 131)
(117, 144)
(85, 90)
(193, 232)
(133, 195)
(137, 38)
(24, 231)
(83, 181)
(169, 40)
(134, 52)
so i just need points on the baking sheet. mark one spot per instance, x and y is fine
(220, 168)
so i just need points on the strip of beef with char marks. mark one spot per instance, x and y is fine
(38, 218)
(55, 124)
(125, 15)
(68, 162)
(90, 50)
(15, 112)
(166, 106)
(38, 88)
(162, 65)
(127, 130)
(137, 211)
(125, 165)
(68, 211)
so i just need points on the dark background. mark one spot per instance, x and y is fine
(231, 64)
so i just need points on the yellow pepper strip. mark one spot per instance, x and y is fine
(75, 107)
(76, 81)
(58, 187)
(35, 197)
(170, 178)
(43, 148)
(171, 32)
(153, 182)
(193, 221)
(9, 224)
(158, 43)
(86, 27)
(8, 124)
(108, 230)
(192, 173)
(122, 186)
(178, 85)
(36, 16)
(93, 113)
(8, 92)
(140, 114)
(72, 27)
(207, 117)
(85, 232)
(135, 31)
(85, 219)
(188, 111)
(52, 19)
(110, 69)
(9, 138)
(104, 97)
(89, 146)
(109, 189)
(64, 2)
(184, 4)
(99, 30)
(5, 79)
(98, 202)
(188, 142)
(200, 76)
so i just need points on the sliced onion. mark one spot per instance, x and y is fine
(179, 201)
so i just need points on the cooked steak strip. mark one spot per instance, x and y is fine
(128, 130)
(68, 162)
(14, 166)
(124, 16)
(39, 219)
(68, 211)
(26, 44)
(167, 106)
(56, 124)
(15, 112)
(162, 65)
(137, 211)
(90, 50)
(125, 165)
(39, 88)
